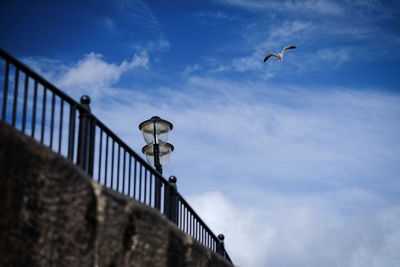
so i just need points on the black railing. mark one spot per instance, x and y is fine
(40, 110)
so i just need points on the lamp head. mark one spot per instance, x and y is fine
(155, 130)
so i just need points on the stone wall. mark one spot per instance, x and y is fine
(52, 214)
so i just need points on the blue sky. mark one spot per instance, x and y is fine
(297, 162)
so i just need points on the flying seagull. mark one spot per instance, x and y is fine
(280, 55)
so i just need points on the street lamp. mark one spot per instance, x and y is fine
(158, 151)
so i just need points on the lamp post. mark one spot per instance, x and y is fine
(158, 151)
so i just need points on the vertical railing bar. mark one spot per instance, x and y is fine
(118, 162)
(112, 164)
(14, 112)
(71, 131)
(106, 163)
(145, 185)
(199, 231)
(100, 153)
(150, 188)
(186, 220)
(61, 124)
(134, 179)
(5, 93)
(25, 102)
(204, 234)
(182, 207)
(129, 174)
(43, 115)
(123, 172)
(178, 219)
(34, 110)
(191, 224)
(53, 101)
(213, 244)
(205, 237)
(92, 144)
(140, 182)
(181, 213)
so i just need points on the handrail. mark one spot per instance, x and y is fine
(82, 138)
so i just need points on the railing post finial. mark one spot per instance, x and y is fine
(172, 182)
(85, 101)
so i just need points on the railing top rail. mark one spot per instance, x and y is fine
(37, 77)
(71, 101)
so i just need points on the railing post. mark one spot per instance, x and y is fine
(171, 200)
(220, 249)
(85, 137)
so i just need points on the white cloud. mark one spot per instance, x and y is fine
(91, 75)
(287, 29)
(93, 71)
(283, 230)
(323, 137)
(210, 17)
(318, 6)
(109, 24)
(210, 14)
(191, 68)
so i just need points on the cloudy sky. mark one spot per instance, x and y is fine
(296, 163)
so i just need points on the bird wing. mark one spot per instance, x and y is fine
(287, 48)
(270, 55)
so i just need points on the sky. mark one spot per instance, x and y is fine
(297, 162)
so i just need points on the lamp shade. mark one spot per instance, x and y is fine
(165, 153)
(155, 130)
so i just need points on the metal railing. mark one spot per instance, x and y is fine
(40, 110)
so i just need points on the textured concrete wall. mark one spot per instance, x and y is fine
(52, 214)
